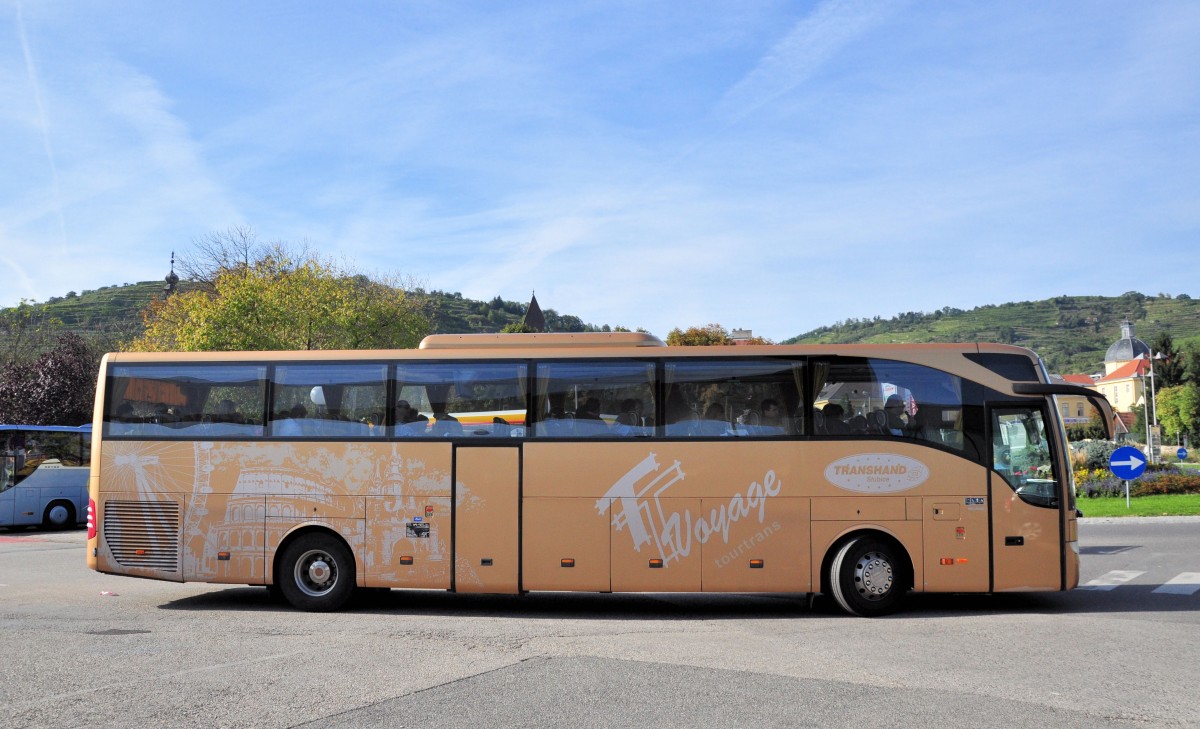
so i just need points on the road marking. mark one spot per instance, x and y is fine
(1111, 580)
(1185, 583)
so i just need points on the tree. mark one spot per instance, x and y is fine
(1138, 430)
(1169, 370)
(517, 327)
(273, 297)
(58, 390)
(26, 330)
(706, 335)
(1190, 360)
(1179, 410)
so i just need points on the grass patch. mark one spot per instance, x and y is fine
(1159, 505)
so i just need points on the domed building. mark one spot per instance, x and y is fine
(1125, 349)
(1126, 366)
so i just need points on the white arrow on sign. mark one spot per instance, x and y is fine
(1133, 462)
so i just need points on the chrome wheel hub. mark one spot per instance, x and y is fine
(316, 573)
(873, 576)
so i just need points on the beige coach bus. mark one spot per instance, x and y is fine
(587, 462)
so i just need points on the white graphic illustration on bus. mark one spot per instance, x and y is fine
(638, 508)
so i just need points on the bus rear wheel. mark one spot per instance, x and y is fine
(867, 577)
(59, 515)
(316, 573)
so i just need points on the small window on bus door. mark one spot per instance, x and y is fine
(734, 397)
(185, 401)
(460, 399)
(1021, 455)
(330, 400)
(602, 398)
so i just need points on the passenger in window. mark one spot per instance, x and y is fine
(590, 410)
(124, 413)
(587, 419)
(408, 420)
(631, 413)
(893, 409)
(444, 424)
(834, 425)
(227, 413)
(771, 422)
(681, 419)
(714, 422)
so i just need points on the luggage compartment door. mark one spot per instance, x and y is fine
(487, 519)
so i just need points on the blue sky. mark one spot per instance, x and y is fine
(776, 166)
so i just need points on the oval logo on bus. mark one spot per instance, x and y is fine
(876, 473)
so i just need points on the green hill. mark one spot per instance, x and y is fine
(1071, 333)
(116, 310)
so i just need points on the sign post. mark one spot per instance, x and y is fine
(1127, 463)
(1182, 453)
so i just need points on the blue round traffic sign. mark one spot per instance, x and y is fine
(1127, 463)
(1182, 453)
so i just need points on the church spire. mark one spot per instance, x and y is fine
(171, 279)
(534, 320)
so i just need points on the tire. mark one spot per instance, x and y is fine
(59, 515)
(868, 577)
(316, 573)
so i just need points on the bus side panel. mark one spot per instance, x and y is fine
(956, 544)
(223, 539)
(244, 497)
(768, 556)
(563, 545)
(408, 544)
(50, 481)
(695, 506)
(486, 520)
(408, 515)
(665, 561)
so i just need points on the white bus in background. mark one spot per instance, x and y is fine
(44, 475)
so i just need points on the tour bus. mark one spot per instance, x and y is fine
(44, 475)
(595, 462)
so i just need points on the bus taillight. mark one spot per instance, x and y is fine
(91, 519)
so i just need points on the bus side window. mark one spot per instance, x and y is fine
(332, 400)
(175, 400)
(880, 398)
(460, 400)
(605, 398)
(734, 398)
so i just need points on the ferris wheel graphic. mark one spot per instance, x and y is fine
(150, 469)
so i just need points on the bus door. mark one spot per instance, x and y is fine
(1024, 495)
(487, 518)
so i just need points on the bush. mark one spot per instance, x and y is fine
(1092, 482)
(1163, 479)
(1166, 482)
(1097, 453)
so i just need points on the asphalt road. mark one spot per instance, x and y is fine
(83, 649)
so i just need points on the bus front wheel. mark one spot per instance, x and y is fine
(316, 573)
(867, 577)
(59, 515)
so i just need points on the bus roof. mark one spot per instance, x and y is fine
(541, 340)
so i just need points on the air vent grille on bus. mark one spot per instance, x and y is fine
(143, 534)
